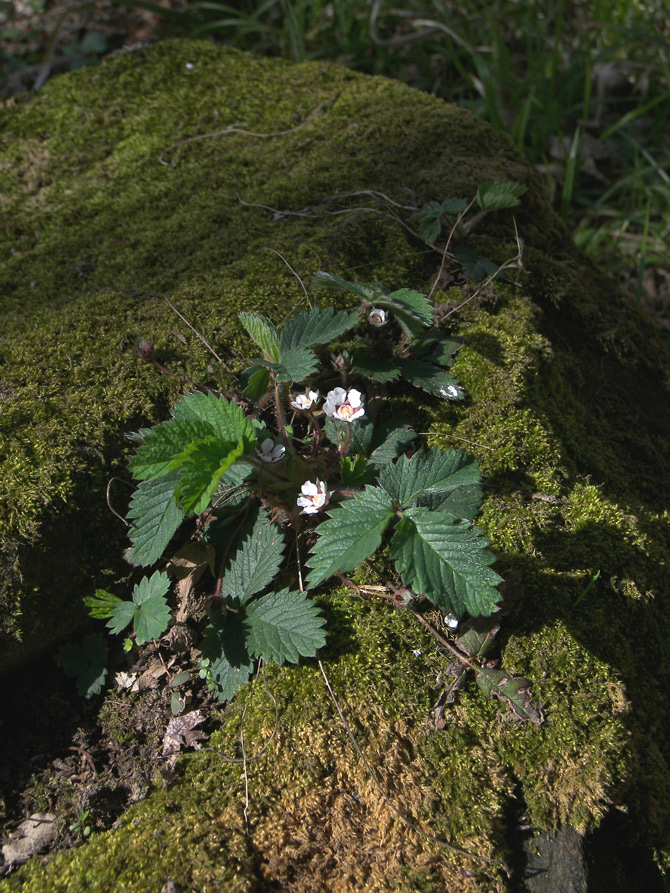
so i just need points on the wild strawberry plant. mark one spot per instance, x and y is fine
(305, 461)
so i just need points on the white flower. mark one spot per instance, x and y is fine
(305, 401)
(269, 451)
(314, 497)
(377, 317)
(344, 406)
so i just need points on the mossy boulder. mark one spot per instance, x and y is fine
(182, 171)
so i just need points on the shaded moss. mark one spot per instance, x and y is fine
(126, 181)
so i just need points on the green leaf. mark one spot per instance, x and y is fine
(369, 291)
(166, 446)
(203, 468)
(376, 368)
(263, 333)
(415, 303)
(513, 690)
(431, 379)
(254, 382)
(155, 517)
(121, 616)
(447, 561)
(398, 438)
(297, 364)
(354, 472)
(434, 347)
(495, 195)
(316, 326)
(256, 561)
(284, 626)
(227, 419)
(225, 658)
(85, 662)
(100, 605)
(148, 611)
(429, 478)
(352, 533)
(475, 266)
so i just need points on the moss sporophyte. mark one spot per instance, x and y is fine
(272, 464)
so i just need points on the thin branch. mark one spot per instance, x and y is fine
(195, 332)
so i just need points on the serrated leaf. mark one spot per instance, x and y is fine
(155, 517)
(316, 326)
(254, 382)
(369, 291)
(202, 469)
(153, 614)
(431, 379)
(297, 364)
(256, 561)
(227, 419)
(100, 605)
(284, 626)
(166, 446)
(352, 533)
(434, 347)
(121, 616)
(399, 438)
(263, 332)
(377, 368)
(226, 658)
(415, 302)
(513, 690)
(478, 636)
(151, 619)
(446, 560)
(354, 472)
(475, 266)
(428, 478)
(495, 195)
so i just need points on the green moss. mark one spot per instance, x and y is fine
(126, 182)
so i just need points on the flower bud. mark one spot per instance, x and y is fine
(144, 349)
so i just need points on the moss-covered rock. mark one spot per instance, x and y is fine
(181, 172)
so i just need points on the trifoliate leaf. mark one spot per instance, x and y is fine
(431, 379)
(202, 469)
(446, 560)
(428, 478)
(256, 562)
(166, 446)
(225, 658)
(263, 333)
(316, 326)
(284, 626)
(85, 662)
(494, 195)
(352, 533)
(354, 472)
(225, 416)
(377, 368)
(369, 291)
(155, 517)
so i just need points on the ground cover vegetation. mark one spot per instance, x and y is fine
(582, 88)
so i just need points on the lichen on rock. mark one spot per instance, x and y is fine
(148, 178)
